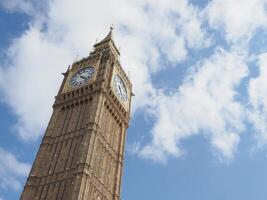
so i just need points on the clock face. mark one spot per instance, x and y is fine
(82, 76)
(120, 87)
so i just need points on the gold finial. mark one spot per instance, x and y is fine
(111, 27)
(109, 36)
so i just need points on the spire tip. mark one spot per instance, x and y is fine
(111, 27)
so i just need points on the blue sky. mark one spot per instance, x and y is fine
(199, 71)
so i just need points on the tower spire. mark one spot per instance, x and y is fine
(109, 35)
(108, 40)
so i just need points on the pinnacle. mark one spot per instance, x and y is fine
(110, 34)
(107, 39)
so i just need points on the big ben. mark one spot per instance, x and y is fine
(82, 152)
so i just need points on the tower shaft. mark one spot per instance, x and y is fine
(82, 152)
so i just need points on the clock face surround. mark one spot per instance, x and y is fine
(82, 76)
(120, 88)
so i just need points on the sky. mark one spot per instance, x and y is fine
(198, 127)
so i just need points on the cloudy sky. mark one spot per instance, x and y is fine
(199, 73)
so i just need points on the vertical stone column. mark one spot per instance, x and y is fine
(120, 161)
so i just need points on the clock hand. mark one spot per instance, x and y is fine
(83, 77)
(120, 88)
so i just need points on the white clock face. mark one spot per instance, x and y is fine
(120, 87)
(82, 76)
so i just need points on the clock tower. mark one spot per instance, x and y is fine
(82, 152)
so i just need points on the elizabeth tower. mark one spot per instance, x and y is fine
(82, 152)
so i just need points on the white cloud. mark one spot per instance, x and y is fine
(258, 99)
(11, 171)
(151, 33)
(30, 82)
(17, 6)
(133, 148)
(33, 8)
(237, 19)
(204, 104)
(147, 32)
